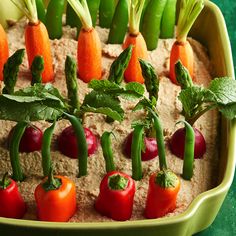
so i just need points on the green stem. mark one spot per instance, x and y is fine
(189, 11)
(117, 182)
(135, 13)
(5, 182)
(188, 151)
(52, 183)
(81, 142)
(46, 149)
(160, 140)
(82, 10)
(29, 9)
(18, 132)
(136, 151)
(107, 151)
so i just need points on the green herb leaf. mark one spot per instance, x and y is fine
(150, 78)
(119, 66)
(145, 103)
(229, 110)
(37, 68)
(224, 90)
(132, 90)
(11, 69)
(103, 103)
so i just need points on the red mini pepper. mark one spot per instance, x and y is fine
(162, 193)
(116, 196)
(55, 198)
(12, 204)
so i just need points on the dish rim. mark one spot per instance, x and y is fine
(194, 205)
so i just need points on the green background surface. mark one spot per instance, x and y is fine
(225, 222)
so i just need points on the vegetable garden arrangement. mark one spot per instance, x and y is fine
(137, 25)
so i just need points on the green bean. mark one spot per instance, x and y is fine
(81, 142)
(188, 151)
(107, 151)
(72, 84)
(41, 10)
(151, 26)
(106, 12)
(46, 149)
(144, 9)
(54, 18)
(37, 68)
(18, 132)
(160, 140)
(119, 23)
(168, 20)
(136, 151)
(93, 6)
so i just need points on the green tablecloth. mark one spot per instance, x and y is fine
(225, 223)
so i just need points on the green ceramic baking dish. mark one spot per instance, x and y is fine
(210, 30)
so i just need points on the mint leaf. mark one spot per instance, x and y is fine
(146, 103)
(119, 66)
(101, 103)
(23, 108)
(224, 90)
(131, 90)
(229, 110)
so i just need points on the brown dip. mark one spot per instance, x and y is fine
(168, 106)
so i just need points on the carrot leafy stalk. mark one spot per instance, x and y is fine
(36, 38)
(89, 53)
(181, 49)
(11, 69)
(133, 72)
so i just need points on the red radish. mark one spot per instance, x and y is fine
(67, 142)
(150, 148)
(178, 139)
(31, 140)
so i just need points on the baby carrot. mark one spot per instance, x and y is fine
(4, 51)
(36, 38)
(181, 49)
(133, 72)
(89, 53)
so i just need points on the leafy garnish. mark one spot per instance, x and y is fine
(106, 104)
(196, 100)
(119, 66)
(151, 79)
(11, 69)
(130, 91)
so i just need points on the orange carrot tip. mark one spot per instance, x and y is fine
(181, 49)
(133, 72)
(36, 38)
(89, 52)
(4, 51)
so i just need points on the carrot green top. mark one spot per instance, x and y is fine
(135, 12)
(82, 10)
(189, 11)
(29, 8)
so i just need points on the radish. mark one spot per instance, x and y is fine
(150, 148)
(67, 142)
(177, 143)
(31, 140)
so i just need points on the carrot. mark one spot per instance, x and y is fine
(4, 51)
(89, 53)
(133, 72)
(36, 38)
(181, 49)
